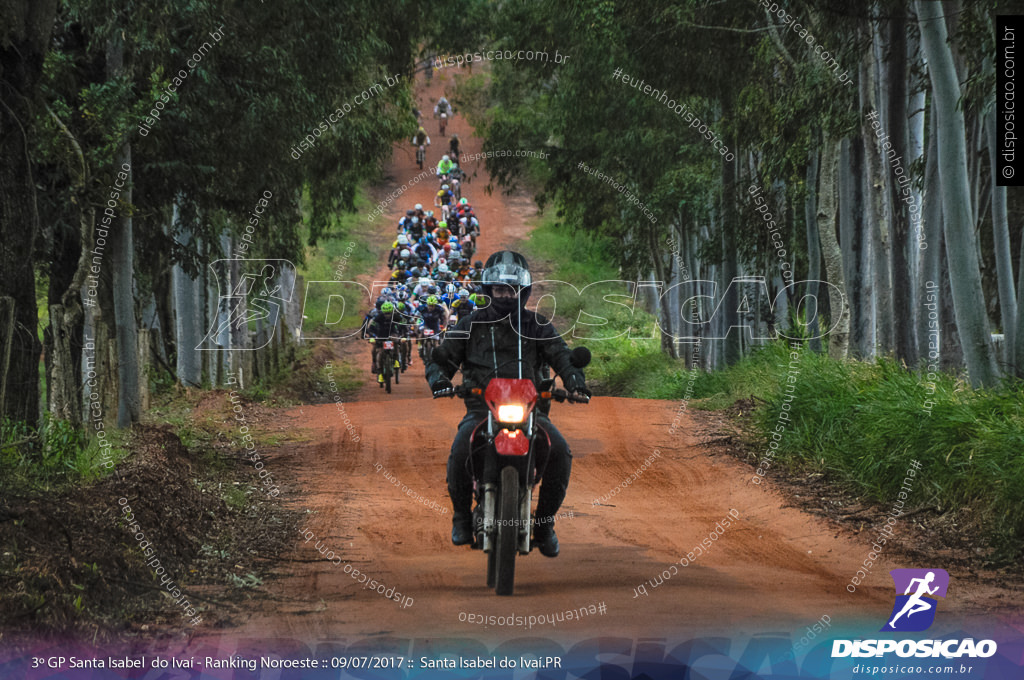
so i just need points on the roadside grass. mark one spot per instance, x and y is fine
(865, 422)
(55, 455)
(346, 251)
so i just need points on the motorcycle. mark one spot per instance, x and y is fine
(507, 462)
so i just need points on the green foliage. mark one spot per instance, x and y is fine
(55, 453)
(340, 255)
(866, 422)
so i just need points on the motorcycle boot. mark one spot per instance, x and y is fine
(462, 518)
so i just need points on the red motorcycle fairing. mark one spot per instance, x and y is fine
(509, 391)
(512, 443)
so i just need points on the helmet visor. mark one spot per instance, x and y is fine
(507, 273)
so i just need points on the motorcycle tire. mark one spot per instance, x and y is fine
(508, 532)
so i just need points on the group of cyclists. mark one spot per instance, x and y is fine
(434, 280)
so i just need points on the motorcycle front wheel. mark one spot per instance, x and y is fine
(508, 532)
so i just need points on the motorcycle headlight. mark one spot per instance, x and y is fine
(511, 413)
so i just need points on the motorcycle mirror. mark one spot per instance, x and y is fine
(580, 357)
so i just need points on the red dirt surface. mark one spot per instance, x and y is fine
(776, 567)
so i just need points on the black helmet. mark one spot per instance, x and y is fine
(509, 268)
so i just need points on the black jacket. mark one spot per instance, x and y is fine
(481, 342)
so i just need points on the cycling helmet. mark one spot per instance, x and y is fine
(404, 254)
(403, 240)
(447, 247)
(444, 187)
(402, 296)
(380, 301)
(419, 206)
(463, 293)
(401, 264)
(415, 220)
(442, 268)
(445, 157)
(387, 307)
(430, 213)
(450, 289)
(410, 213)
(463, 201)
(442, 224)
(432, 300)
(432, 289)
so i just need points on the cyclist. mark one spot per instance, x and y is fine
(444, 166)
(443, 106)
(425, 250)
(442, 235)
(415, 228)
(430, 222)
(462, 306)
(443, 200)
(381, 327)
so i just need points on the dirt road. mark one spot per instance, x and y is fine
(379, 506)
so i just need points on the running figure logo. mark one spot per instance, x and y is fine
(916, 611)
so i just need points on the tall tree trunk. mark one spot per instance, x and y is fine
(25, 29)
(730, 263)
(877, 216)
(1001, 242)
(851, 230)
(1018, 355)
(898, 157)
(64, 335)
(813, 250)
(187, 334)
(662, 275)
(122, 265)
(839, 339)
(931, 216)
(916, 143)
(961, 249)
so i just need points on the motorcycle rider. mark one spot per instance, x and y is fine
(487, 344)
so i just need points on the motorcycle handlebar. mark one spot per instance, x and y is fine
(559, 395)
